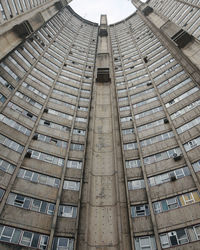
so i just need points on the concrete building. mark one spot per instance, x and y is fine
(99, 127)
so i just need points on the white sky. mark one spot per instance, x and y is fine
(91, 10)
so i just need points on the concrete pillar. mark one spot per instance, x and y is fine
(104, 209)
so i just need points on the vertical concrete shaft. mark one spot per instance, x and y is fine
(103, 228)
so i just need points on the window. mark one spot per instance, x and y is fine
(75, 146)
(2, 98)
(78, 132)
(162, 156)
(174, 238)
(6, 166)
(11, 144)
(46, 157)
(15, 125)
(166, 177)
(140, 210)
(30, 203)
(34, 90)
(196, 166)
(172, 203)
(74, 164)
(51, 140)
(192, 144)
(133, 163)
(53, 125)
(130, 146)
(6, 84)
(63, 244)
(185, 109)
(22, 111)
(145, 243)
(24, 238)
(181, 97)
(127, 131)
(67, 211)
(197, 231)
(136, 184)
(1, 193)
(158, 138)
(188, 125)
(71, 185)
(164, 241)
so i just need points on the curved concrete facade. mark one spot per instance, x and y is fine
(99, 130)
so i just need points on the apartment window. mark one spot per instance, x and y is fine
(67, 211)
(75, 146)
(162, 156)
(127, 131)
(53, 125)
(142, 93)
(34, 79)
(139, 104)
(74, 164)
(22, 111)
(183, 96)
(71, 106)
(6, 84)
(2, 191)
(174, 238)
(52, 140)
(169, 91)
(145, 243)
(9, 71)
(150, 125)
(140, 210)
(133, 163)
(185, 109)
(71, 185)
(196, 166)
(30, 203)
(39, 178)
(60, 114)
(2, 98)
(42, 75)
(188, 125)
(126, 119)
(177, 201)
(80, 119)
(136, 184)
(17, 65)
(124, 108)
(148, 112)
(166, 177)
(24, 238)
(63, 243)
(130, 146)
(6, 166)
(34, 90)
(11, 144)
(158, 138)
(78, 132)
(46, 157)
(192, 144)
(15, 125)
(82, 108)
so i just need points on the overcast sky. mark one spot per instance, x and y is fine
(116, 10)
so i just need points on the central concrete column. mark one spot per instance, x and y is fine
(103, 229)
(103, 218)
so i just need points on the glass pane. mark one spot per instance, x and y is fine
(35, 240)
(16, 236)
